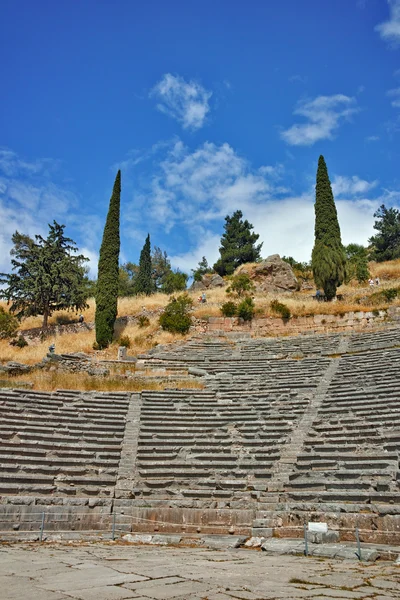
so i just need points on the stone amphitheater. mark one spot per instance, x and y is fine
(285, 431)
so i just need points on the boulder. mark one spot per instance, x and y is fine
(271, 275)
(208, 282)
(15, 368)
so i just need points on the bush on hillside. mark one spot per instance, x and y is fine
(176, 318)
(240, 285)
(19, 342)
(245, 309)
(8, 324)
(280, 309)
(143, 321)
(229, 309)
(124, 341)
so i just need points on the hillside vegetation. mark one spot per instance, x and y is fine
(356, 297)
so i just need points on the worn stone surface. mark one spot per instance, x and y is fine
(271, 275)
(208, 281)
(107, 572)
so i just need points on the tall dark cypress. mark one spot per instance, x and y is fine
(328, 255)
(144, 283)
(107, 280)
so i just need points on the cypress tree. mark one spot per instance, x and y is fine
(107, 280)
(144, 281)
(328, 255)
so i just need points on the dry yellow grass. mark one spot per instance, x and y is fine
(386, 271)
(54, 380)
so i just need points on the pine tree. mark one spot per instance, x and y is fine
(144, 283)
(47, 275)
(328, 255)
(386, 243)
(107, 281)
(237, 245)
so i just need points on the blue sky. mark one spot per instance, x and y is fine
(207, 108)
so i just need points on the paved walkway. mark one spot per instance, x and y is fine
(116, 572)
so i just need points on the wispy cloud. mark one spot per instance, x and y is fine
(185, 101)
(390, 30)
(395, 95)
(372, 138)
(351, 186)
(298, 79)
(324, 115)
(192, 191)
(30, 199)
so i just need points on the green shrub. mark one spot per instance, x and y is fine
(20, 342)
(64, 319)
(8, 324)
(240, 285)
(175, 317)
(390, 293)
(375, 312)
(281, 309)
(229, 309)
(125, 341)
(245, 310)
(143, 321)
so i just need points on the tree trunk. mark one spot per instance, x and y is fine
(45, 319)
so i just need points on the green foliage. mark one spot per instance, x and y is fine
(302, 270)
(246, 309)
(107, 282)
(357, 263)
(280, 309)
(386, 243)
(380, 297)
(229, 309)
(125, 341)
(90, 287)
(126, 279)
(175, 317)
(390, 293)
(240, 285)
(202, 268)
(174, 281)
(48, 277)
(328, 255)
(161, 267)
(144, 283)
(237, 245)
(143, 321)
(20, 342)
(8, 324)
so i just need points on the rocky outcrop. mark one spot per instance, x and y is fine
(209, 281)
(271, 275)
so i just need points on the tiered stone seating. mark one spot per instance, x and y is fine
(64, 443)
(214, 355)
(352, 447)
(227, 437)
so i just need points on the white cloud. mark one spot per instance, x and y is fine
(372, 138)
(187, 102)
(192, 192)
(395, 94)
(324, 115)
(353, 186)
(207, 245)
(390, 30)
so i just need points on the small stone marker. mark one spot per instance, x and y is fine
(318, 527)
(122, 350)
